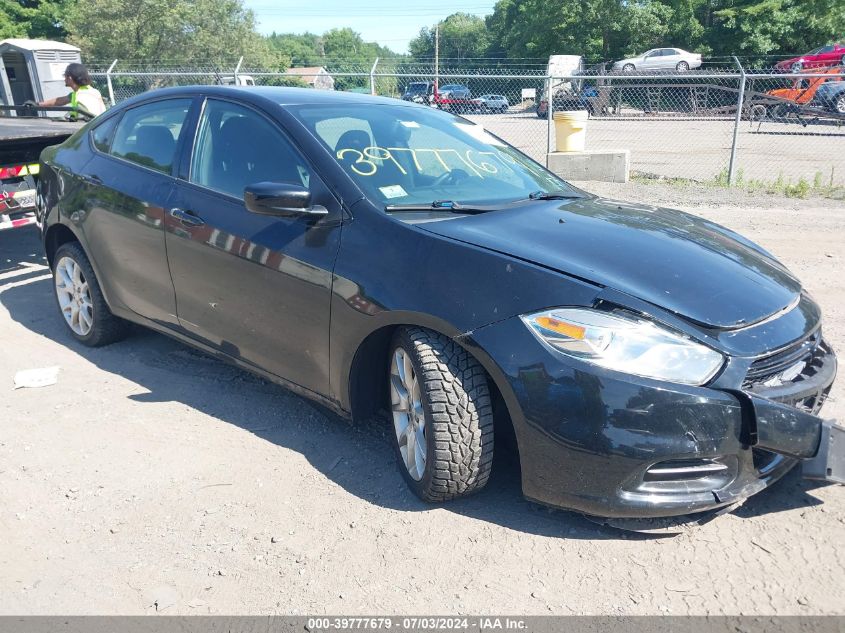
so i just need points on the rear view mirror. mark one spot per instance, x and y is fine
(280, 198)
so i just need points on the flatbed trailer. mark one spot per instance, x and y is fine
(22, 138)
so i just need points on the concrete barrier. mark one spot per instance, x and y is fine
(605, 165)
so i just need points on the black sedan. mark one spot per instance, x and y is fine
(381, 256)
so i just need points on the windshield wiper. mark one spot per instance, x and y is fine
(447, 206)
(553, 195)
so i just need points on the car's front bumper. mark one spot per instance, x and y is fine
(615, 445)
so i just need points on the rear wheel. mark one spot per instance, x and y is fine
(758, 112)
(442, 415)
(81, 301)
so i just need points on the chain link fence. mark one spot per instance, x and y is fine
(715, 124)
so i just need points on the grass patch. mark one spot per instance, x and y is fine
(802, 188)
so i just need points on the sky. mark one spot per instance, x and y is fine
(391, 23)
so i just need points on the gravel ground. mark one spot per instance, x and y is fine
(696, 149)
(151, 478)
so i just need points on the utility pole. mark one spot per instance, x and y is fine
(436, 57)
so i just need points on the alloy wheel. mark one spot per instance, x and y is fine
(74, 296)
(408, 414)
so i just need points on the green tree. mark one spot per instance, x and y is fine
(609, 29)
(464, 40)
(778, 27)
(539, 28)
(199, 32)
(304, 49)
(345, 51)
(34, 19)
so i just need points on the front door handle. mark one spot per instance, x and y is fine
(187, 218)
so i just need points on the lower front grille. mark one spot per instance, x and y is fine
(682, 469)
(800, 376)
(787, 365)
(683, 476)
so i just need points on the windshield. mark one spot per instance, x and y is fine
(415, 155)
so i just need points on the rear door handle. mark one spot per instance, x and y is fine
(187, 218)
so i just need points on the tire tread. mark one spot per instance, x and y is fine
(461, 416)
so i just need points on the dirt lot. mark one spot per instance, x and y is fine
(151, 478)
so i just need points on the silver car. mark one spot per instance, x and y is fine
(492, 103)
(660, 59)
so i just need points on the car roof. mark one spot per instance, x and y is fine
(275, 94)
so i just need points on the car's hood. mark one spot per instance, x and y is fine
(684, 264)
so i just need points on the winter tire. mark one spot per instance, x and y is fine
(442, 415)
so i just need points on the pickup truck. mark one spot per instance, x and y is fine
(21, 140)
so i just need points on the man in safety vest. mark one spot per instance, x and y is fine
(83, 98)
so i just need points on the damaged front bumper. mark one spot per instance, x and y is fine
(829, 462)
(614, 445)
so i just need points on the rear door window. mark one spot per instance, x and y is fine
(147, 135)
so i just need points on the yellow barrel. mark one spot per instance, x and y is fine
(570, 130)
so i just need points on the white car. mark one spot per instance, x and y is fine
(492, 103)
(660, 59)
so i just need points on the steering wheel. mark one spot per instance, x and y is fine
(452, 177)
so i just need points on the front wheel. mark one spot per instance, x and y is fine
(81, 301)
(442, 415)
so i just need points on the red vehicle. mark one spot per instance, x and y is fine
(453, 100)
(821, 57)
(21, 140)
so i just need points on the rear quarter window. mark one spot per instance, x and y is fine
(102, 134)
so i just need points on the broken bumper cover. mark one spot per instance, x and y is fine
(829, 462)
(616, 445)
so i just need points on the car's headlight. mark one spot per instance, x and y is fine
(625, 343)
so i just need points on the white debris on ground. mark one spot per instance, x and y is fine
(34, 378)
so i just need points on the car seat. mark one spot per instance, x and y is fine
(247, 151)
(155, 143)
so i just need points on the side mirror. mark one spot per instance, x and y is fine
(280, 198)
